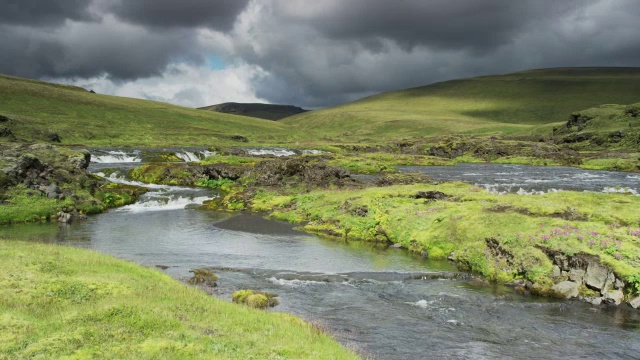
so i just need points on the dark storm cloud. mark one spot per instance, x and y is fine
(340, 50)
(42, 12)
(123, 40)
(447, 24)
(84, 50)
(216, 14)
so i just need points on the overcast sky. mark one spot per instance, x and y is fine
(310, 53)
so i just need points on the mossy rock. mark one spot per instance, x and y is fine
(203, 277)
(255, 298)
(257, 301)
(240, 296)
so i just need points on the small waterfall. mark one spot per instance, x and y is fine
(165, 200)
(279, 152)
(160, 197)
(115, 157)
(117, 177)
(191, 156)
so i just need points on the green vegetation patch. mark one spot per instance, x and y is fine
(24, 205)
(58, 302)
(503, 237)
(114, 195)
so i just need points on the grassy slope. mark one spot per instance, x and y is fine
(462, 222)
(80, 117)
(511, 103)
(58, 302)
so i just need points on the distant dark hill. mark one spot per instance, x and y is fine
(262, 111)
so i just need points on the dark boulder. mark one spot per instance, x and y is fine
(221, 171)
(6, 133)
(431, 195)
(578, 120)
(239, 138)
(53, 137)
(616, 136)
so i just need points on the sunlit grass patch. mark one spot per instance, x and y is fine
(59, 302)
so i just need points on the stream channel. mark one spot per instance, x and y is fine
(385, 303)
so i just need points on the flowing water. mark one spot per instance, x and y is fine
(386, 303)
(526, 179)
(126, 159)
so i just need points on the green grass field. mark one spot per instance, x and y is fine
(511, 104)
(65, 303)
(80, 117)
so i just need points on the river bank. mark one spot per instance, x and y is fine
(60, 301)
(565, 244)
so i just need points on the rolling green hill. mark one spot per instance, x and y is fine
(261, 111)
(512, 104)
(521, 103)
(37, 108)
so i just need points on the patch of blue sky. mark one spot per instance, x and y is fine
(216, 63)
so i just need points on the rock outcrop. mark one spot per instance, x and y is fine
(613, 297)
(586, 271)
(47, 172)
(39, 166)
(299, 170)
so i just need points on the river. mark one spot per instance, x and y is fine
(527, 180)
(384, 302)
